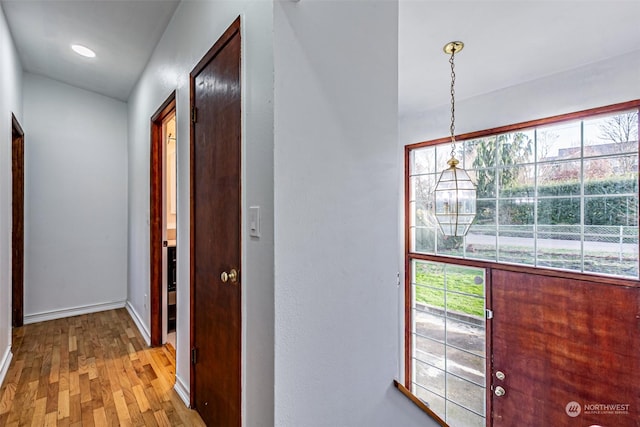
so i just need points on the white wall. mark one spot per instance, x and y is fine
(75, 200)
(336, 220)
(10, 102)
(194, 28)
(598, 84)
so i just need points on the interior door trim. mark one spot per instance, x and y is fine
(155, 217)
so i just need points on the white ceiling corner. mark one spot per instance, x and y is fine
(122, 33)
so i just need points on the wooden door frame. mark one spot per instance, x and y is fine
(488, 346)
(156, 203)
(230, 32)
(17, 226)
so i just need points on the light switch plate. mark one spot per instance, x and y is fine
(254, 221)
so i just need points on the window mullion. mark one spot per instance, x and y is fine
(535, 197)
(582, 195)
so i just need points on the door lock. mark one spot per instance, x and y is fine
(230, 276)
(499, 391)
(500, 375)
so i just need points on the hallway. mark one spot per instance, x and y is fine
(90, 370)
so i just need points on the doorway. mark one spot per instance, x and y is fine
(501, 345)
(163, 221)
(17, 233)
(216, 279)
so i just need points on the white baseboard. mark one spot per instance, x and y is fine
(183, 391)
(69, 312)
(4, 363)
(139, 323)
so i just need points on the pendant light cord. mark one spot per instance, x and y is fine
(452, 127)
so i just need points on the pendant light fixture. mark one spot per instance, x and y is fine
(455, 193)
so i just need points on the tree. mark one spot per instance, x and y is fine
(509, 149)
(620, 128)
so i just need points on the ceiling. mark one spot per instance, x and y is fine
(506, 42)
(122, 33)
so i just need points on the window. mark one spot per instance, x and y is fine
(562, 195)
(558, 193)
(448, 335)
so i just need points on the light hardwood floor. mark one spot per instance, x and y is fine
(90, 370)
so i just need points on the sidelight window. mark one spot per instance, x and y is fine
(448, 335)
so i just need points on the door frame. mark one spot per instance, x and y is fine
(156, 203)
(17, 226)
(233, 30)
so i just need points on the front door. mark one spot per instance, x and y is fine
(565, 352)
(215, 233)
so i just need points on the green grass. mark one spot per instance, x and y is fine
(456, 280)
(434, 280)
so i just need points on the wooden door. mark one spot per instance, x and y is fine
(215, 233)
(566, 347)
(17, 232)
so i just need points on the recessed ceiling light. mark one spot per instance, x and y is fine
(83, 50)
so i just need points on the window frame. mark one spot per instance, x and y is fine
(489, 265)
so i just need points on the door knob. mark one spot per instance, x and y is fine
(230, 276)
(500, 375)
(499, 391)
